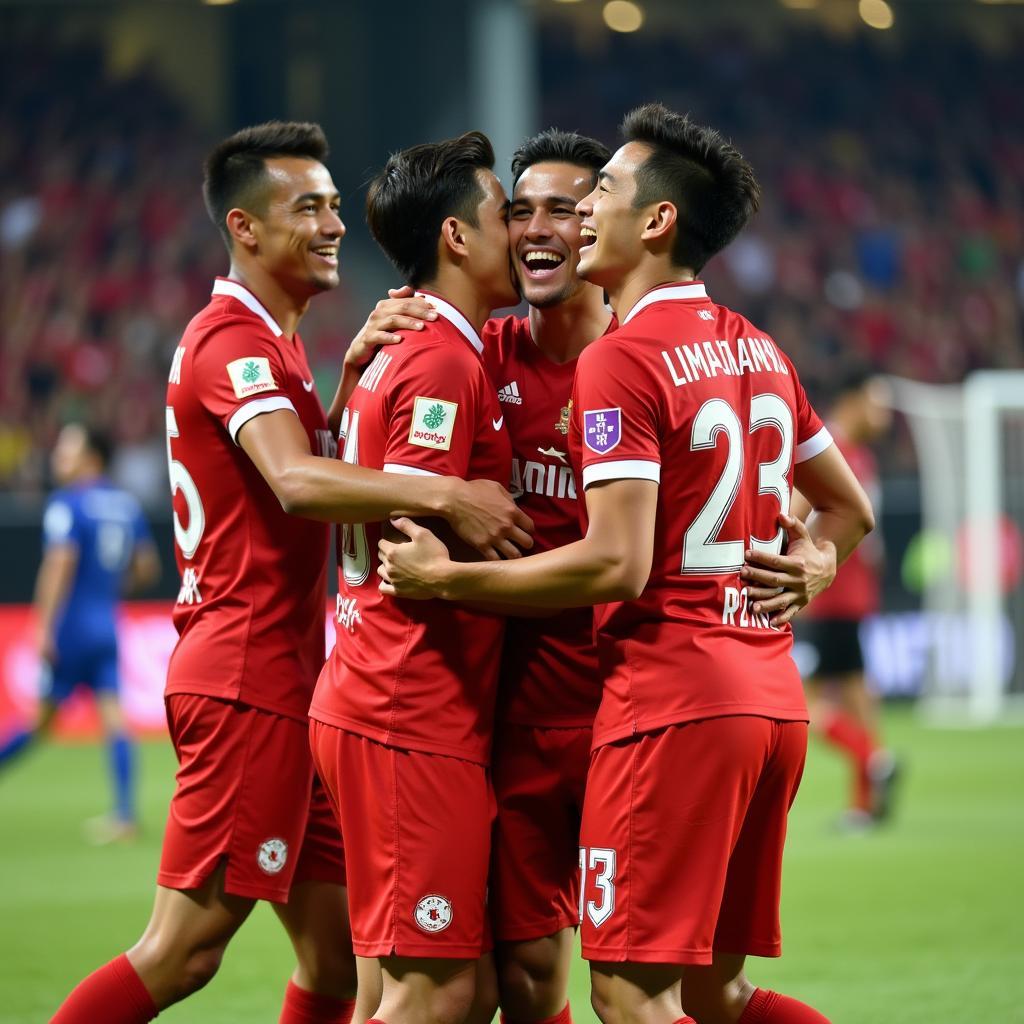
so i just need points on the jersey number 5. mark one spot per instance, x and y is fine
(703, 552)
(188, 538)
(355, 549)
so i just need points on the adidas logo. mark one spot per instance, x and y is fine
(510, 394)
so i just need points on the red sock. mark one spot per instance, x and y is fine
(564, 1016)
(302, 1007)
(114, 994)
(767, 1007)
(844, 731)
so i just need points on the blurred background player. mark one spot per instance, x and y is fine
(843, 707)
(549, 687)
(243, 423)
(403, 709)
(97, 546)
(686, 463)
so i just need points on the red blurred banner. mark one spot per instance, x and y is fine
(146, 636)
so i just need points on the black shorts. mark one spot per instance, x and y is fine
(836, 643)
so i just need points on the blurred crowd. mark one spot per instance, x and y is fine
(891, 229)
(892, 222)
(106, 252)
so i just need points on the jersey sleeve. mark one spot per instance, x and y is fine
(61, 524)
(812, 436)
(238, 374)
(616, 417)
(492, 336)
(433, 408)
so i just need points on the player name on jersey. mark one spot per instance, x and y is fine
(553, 481)
(703, 360)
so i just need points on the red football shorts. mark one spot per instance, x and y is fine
(246, 792)
(539, 775)
(419, 830)
(682, 837)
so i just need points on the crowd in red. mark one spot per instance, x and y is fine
(892, 226)
(892, 222)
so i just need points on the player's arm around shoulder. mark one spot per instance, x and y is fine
(611, 563)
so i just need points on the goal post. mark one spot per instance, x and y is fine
(969, 440)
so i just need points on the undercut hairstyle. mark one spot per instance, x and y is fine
(556, 146)
(705, 177)
(235, 172)
(417, 190)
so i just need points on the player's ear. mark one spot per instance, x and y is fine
(453, 237)
(240, 228)
(659, 221)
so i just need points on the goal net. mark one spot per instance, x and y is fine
(970, 446)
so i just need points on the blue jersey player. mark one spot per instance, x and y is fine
(96, 545)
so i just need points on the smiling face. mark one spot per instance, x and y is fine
(611, 227)
(489, 262)
(544, 231)
(299, 231)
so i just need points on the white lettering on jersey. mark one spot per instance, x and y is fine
(175, 376)
(552, 481)
(189, 593)
(326, 445)
(704, 360)
(346, 612)
(373, 373)
(734, 602)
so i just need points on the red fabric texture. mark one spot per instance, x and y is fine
(114, 994)
(767, 1007)
(302, 1007)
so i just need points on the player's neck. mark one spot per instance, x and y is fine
(285, 308)
(563, 331)
(651, 273)
(453, 286)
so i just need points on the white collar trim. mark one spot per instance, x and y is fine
(238, 291)
(450, 313)
(663, 294)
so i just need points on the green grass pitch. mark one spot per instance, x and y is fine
(920, 922)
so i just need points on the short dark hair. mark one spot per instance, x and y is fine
(556, 146)
(712, 187)
(99, 442)
(235, 172)
(417, 189)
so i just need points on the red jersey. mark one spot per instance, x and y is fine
(691, 395)
(856, 592)
(549, 672)
(249, 613)
(419, 675)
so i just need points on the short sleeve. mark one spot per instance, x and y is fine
(59, 524)
(238, 374)
(433, 408)
(615, 417)
(812, 436)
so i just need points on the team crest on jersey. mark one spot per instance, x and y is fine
(433, 913)
(602, 429)
(250, 376)
(432, 423)
(272, 856)
(562, 426)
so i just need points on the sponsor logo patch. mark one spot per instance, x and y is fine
(250, 376)
(432, 423)
(272, 855)
(433, 913)
(602, 429)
